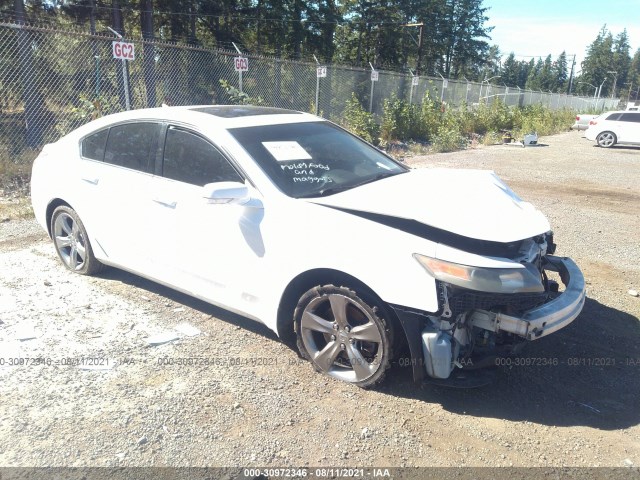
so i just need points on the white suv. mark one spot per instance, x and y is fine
(615, 127)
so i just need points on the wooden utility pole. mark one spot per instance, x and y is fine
(573, 64)
(419, 43)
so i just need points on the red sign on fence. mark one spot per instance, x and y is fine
(124, 51)
(241, 64)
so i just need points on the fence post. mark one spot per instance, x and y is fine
(413, 77)
(277, 84)
(374, 78)
(317, 84)
(444, 85)
(97, 76)
(239, 70)
(125, 75)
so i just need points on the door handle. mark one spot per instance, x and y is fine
(92, 181)
(165, 203)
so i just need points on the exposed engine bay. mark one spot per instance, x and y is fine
(474, 328)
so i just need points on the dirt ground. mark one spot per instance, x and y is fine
(252, 402)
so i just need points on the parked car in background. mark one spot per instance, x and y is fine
(582, 121)
(611, 128)
(290, 220)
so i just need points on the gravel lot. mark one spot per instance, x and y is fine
(260, 405)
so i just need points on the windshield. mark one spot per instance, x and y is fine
(314, 158)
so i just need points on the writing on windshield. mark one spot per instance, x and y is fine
(314, 158)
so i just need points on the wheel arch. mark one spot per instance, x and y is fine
(53, 204)
(323, 276)
(613, 134)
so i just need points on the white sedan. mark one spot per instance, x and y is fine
(286, 218)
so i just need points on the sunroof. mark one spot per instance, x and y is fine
(233, 111)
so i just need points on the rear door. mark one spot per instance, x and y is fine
(629, 127)
(117, 181)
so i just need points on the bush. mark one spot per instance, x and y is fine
(448, 140)
(401, 121)
(453, 129)
(359, 122)
(236, 97)
(431, 116)
(87, 109)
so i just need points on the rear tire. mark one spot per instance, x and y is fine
(606, 139)
(344, 334)
(72, 242)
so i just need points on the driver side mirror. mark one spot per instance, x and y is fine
(226, 193)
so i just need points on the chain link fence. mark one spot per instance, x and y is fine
(52, 81)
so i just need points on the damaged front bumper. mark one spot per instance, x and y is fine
(532, 324)
(547, 318)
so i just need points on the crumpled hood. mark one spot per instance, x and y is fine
(472, 203)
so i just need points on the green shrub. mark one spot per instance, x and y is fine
(236, 97)
(87, 109)
(448, 140)
(401, 121)
(359, 122)
(431, 116)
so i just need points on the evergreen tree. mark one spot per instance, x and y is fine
(560, 73)
(634, 77)
(598, 61)
(621, 60)
(510, 70)
(534, 78)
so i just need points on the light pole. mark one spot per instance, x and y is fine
(595, 88)
(418, 43)
(594, 91)
(615, 80)
(600, 91)
(485, 80)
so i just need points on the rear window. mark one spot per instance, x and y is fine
(630, 117)
(93, 146)
(133, 145)
(614, 116)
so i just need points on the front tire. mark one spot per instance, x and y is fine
(72, 242)
(344, 335)
(606, 139)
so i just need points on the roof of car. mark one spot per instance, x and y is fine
(618, 111)
(235, 111)
(224, 116)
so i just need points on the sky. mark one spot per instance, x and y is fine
(542, 27)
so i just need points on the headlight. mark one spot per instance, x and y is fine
(525, 279)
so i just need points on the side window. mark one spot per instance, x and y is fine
(132, 145)
(191, 159)
(93, 145)
(614, 116)
(630, 117)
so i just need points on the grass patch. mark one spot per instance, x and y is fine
(15, 208)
